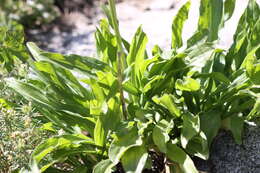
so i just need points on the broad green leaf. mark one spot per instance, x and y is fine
(220, 77)
(245, 38)
(210, 122)
(168, 102)
(136, 56)
(48, 68)
(239, 42)
(188, 84)
(134, 159)
(161, 134)
(156, 68)
(211, 12)
(45, 148)
(229, 7)
(105, 166)
(122, 143)
(239, 83)
(255, 112)
(176, 154)
(198, 38)
(28, 91)
(113, 116)
(107, 80)
(137, 48)
(128, 86)
(61, 78)
(250, 60)
(252, 65)
(143, 127)
(148, 62)
(247, 105)
(54, 119)
(71, 62)
(177, 25)
(98, 104)
(67, 120)
(68, 154)
(201, 57)
(235, 124)
(198, 146)
(106, 44)
(99, 133)
(55, 143)
(150, 84)
(96, 108)
(191, 127)
(59, 148)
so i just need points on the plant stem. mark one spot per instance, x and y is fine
(120, 55)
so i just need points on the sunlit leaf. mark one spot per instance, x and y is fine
(72, 62)
(120, 145)
(134, 159)
(105, 166)
(188, 84)
(235, 124)
(168, 102)
(99, 133)
(191, 127)
(161, 134)
(198, 146)
(177, 25)
(211, 12)
(210, 123)
(176, 154)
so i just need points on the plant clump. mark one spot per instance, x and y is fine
(130, 111)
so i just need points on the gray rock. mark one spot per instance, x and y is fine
(229, 157)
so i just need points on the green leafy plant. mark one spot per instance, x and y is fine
(124, 107)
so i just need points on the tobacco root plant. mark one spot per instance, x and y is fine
(126, 107)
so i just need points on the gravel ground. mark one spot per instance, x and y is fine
(75, 32)
(156, 18)
(75, 38)
(228, 157)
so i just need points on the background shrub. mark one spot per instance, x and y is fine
(29, 13)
